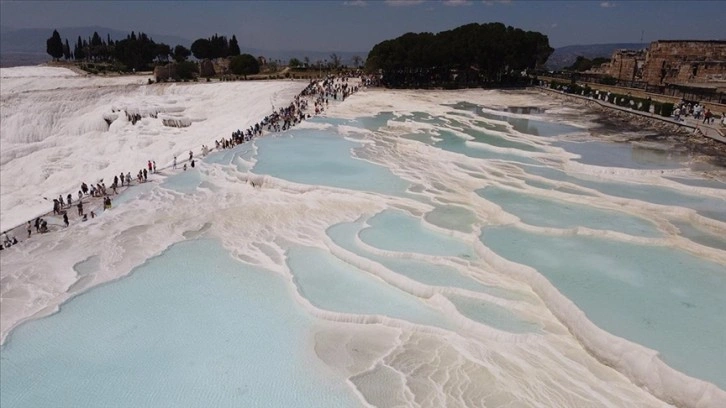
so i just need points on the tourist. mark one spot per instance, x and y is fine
(80, 208)
(192, 163)
(65, 219)
(173, 166)
(29, 229)
(707, 116)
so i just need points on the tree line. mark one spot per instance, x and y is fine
(140, 52)
(471, 55)
(215, 47)
(582, 64)
(135, 52)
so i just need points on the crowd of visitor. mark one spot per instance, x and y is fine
(318, 93)
(696, 111)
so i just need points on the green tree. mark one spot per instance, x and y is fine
(78, 52)
(356, 61)
(181, 53)
(137, 52)
(581, 64)
(219, 46)
(187, 70)
(294, 63)
(469, 55)
(216, 46)
(66, 50)
(244, 64)
(233, 47)
(335, 60)
(162, 51)
(202, 48)
(54, 45)
(96, 48)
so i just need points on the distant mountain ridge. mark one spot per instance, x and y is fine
(566, 56)
(26, 46)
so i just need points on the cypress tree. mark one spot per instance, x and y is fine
(66, 50)
(233, 47)
(78, 51)
(54, 45)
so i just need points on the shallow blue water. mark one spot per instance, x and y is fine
(624, 155)
(452, 143)
(192, 328)
(710, 207)
(544, 212)
(185, 182)
(133, 193)
(492, 315)
(478, 135)
(523, 125)
(452, 217)
(319, 158)
(425, 272)
(659, 297)
(396, 231)
(334, 285)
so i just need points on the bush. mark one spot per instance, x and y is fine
(244, 64)
(666, 109)
(186, 70)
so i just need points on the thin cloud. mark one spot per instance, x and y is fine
(455, 3)
(554, 25)
(607, 4)
(355, 3)
(403, 3)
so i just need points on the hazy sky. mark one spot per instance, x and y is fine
(357, 25)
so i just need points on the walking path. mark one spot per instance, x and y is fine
(315, 95)
(711, 131)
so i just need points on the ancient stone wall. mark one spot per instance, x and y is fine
(165, 72)
(221, 66)
(627, 65)
(682, 62)
(206, 68)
